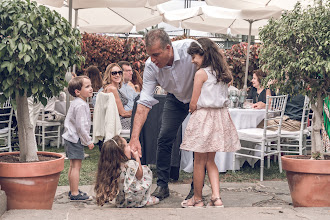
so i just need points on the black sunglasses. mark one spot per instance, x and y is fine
(116, 72)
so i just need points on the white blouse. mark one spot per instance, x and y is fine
(213, 94)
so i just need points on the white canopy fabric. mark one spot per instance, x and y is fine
(79, 4)
(116, 20)
(113, 20)
(254, 11)
(250, 4)
(219, 20)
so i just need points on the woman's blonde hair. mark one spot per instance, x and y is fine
(107, 75)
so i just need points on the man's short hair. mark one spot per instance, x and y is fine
(157, 35)
(121, 63)
(76, 83)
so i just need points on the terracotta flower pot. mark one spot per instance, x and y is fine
(31, 185)
(309, 180)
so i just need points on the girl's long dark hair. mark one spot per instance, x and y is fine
(108, 173)
(213, 57)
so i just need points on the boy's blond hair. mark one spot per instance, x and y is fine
(76, 83)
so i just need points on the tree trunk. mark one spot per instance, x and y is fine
(26, 135)
(317, 144)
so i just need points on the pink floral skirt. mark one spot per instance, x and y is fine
(210, 130)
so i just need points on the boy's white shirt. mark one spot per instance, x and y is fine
(77, 123)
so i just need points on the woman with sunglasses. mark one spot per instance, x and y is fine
(112, 82)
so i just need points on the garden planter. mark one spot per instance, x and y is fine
(31, 185)
(309, 180)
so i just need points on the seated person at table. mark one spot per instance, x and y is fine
(258, 93)
(292, 115)
(127, 87)
(113, 78)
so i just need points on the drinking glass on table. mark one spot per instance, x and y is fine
(233, 97)
(248, 103)
(241, 98)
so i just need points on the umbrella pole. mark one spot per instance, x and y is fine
(69, 76)
(247, 56)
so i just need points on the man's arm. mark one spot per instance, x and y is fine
(139, 120)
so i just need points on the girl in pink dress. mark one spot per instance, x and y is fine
(210, 128)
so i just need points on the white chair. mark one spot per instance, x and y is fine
(275, 106)
(91, 108)
(6, 115)
(43, 133)
(294, 142)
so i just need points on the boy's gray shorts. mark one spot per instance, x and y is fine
(74, 150)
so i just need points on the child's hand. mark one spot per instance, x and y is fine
(91, 146)
(192, 108)
(135, 154)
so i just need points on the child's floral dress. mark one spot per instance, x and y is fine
(133, 192)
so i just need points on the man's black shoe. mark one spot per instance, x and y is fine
(161, 192)
(191, 194)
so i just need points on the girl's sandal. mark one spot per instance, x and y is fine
(212, 203)
(185, 204)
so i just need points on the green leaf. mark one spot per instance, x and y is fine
(27, 59)
(34, 90)
(21, 55)
(10, 66)
(43, 101)
(20, 46)
(12, 44)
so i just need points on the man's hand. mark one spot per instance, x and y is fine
(135, 146)
(259, 105)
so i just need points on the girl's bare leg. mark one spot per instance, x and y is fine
(213, 174)
(199, 176)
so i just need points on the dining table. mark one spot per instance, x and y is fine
(242, 118)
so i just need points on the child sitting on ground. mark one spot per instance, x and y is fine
(77, 128)
(122, 178)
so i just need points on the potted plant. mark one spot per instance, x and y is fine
(36, 47)
(295, 52)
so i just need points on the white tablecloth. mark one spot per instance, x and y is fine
(242, 118)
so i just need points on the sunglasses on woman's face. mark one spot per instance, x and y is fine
(117, 72)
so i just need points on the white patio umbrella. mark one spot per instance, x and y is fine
(112, 20)
(91, 26)
(250, 4)
(79, 4)
(253, 11)
(219, 20)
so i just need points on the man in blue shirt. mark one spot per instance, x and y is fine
(170, 66)
(126, 89)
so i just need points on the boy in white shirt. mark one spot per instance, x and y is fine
(77, 129)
